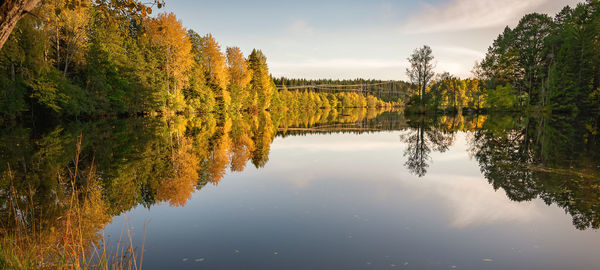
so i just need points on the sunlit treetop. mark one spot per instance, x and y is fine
(119, 7)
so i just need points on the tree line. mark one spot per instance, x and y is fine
(549, 64)
(394, 91)
(90, 61)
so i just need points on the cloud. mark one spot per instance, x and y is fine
(459, 15)
(301, 27)
(471, 201)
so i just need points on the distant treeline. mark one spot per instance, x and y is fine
(88, 61)
(389, 91)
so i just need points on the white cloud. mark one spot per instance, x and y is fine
(459, 15)
(471, 201)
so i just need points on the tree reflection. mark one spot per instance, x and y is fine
(47, 192)
(421, 138)
(143, 161)
(544, 157)
(504, 154)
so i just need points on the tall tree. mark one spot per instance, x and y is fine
(168, 33)
(421, 69)
(215, 67)
(262, 86)
(239, 76)
(529, 40)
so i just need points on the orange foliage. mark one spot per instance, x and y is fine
(237, 67)
(178, 188)
(214, 62)
(168, 33)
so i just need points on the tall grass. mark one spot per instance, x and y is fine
(73, 240)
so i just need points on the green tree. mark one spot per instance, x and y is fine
(261, 84)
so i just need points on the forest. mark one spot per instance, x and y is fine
(144, 111)
(86, 61)
(90, 60)
(545, 64)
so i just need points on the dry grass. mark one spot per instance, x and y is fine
(73, 240)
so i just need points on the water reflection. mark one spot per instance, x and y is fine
(421, 139)
(63, 192)
(541, 157)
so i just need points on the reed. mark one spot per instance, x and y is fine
(29, 239)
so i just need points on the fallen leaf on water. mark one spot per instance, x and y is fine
(199, 260)
(184, 259)
(488, 260)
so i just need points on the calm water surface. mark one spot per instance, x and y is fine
(376, 192)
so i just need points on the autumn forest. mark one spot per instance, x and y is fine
(84, 61)
(113, 107)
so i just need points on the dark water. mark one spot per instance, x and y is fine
(326, 190)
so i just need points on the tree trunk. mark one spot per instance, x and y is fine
(11, 11)
(57, 47)
(66, 65)
(421, 97)
(12, 71)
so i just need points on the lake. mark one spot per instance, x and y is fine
(348, 189)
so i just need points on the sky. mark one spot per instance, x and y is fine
(346, 39)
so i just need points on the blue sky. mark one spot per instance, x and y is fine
(343, 39)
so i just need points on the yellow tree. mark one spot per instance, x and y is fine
(239, 77)
(74, 24)
(216, 69)
(166, 32)
(261, 84)
(65, 31)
